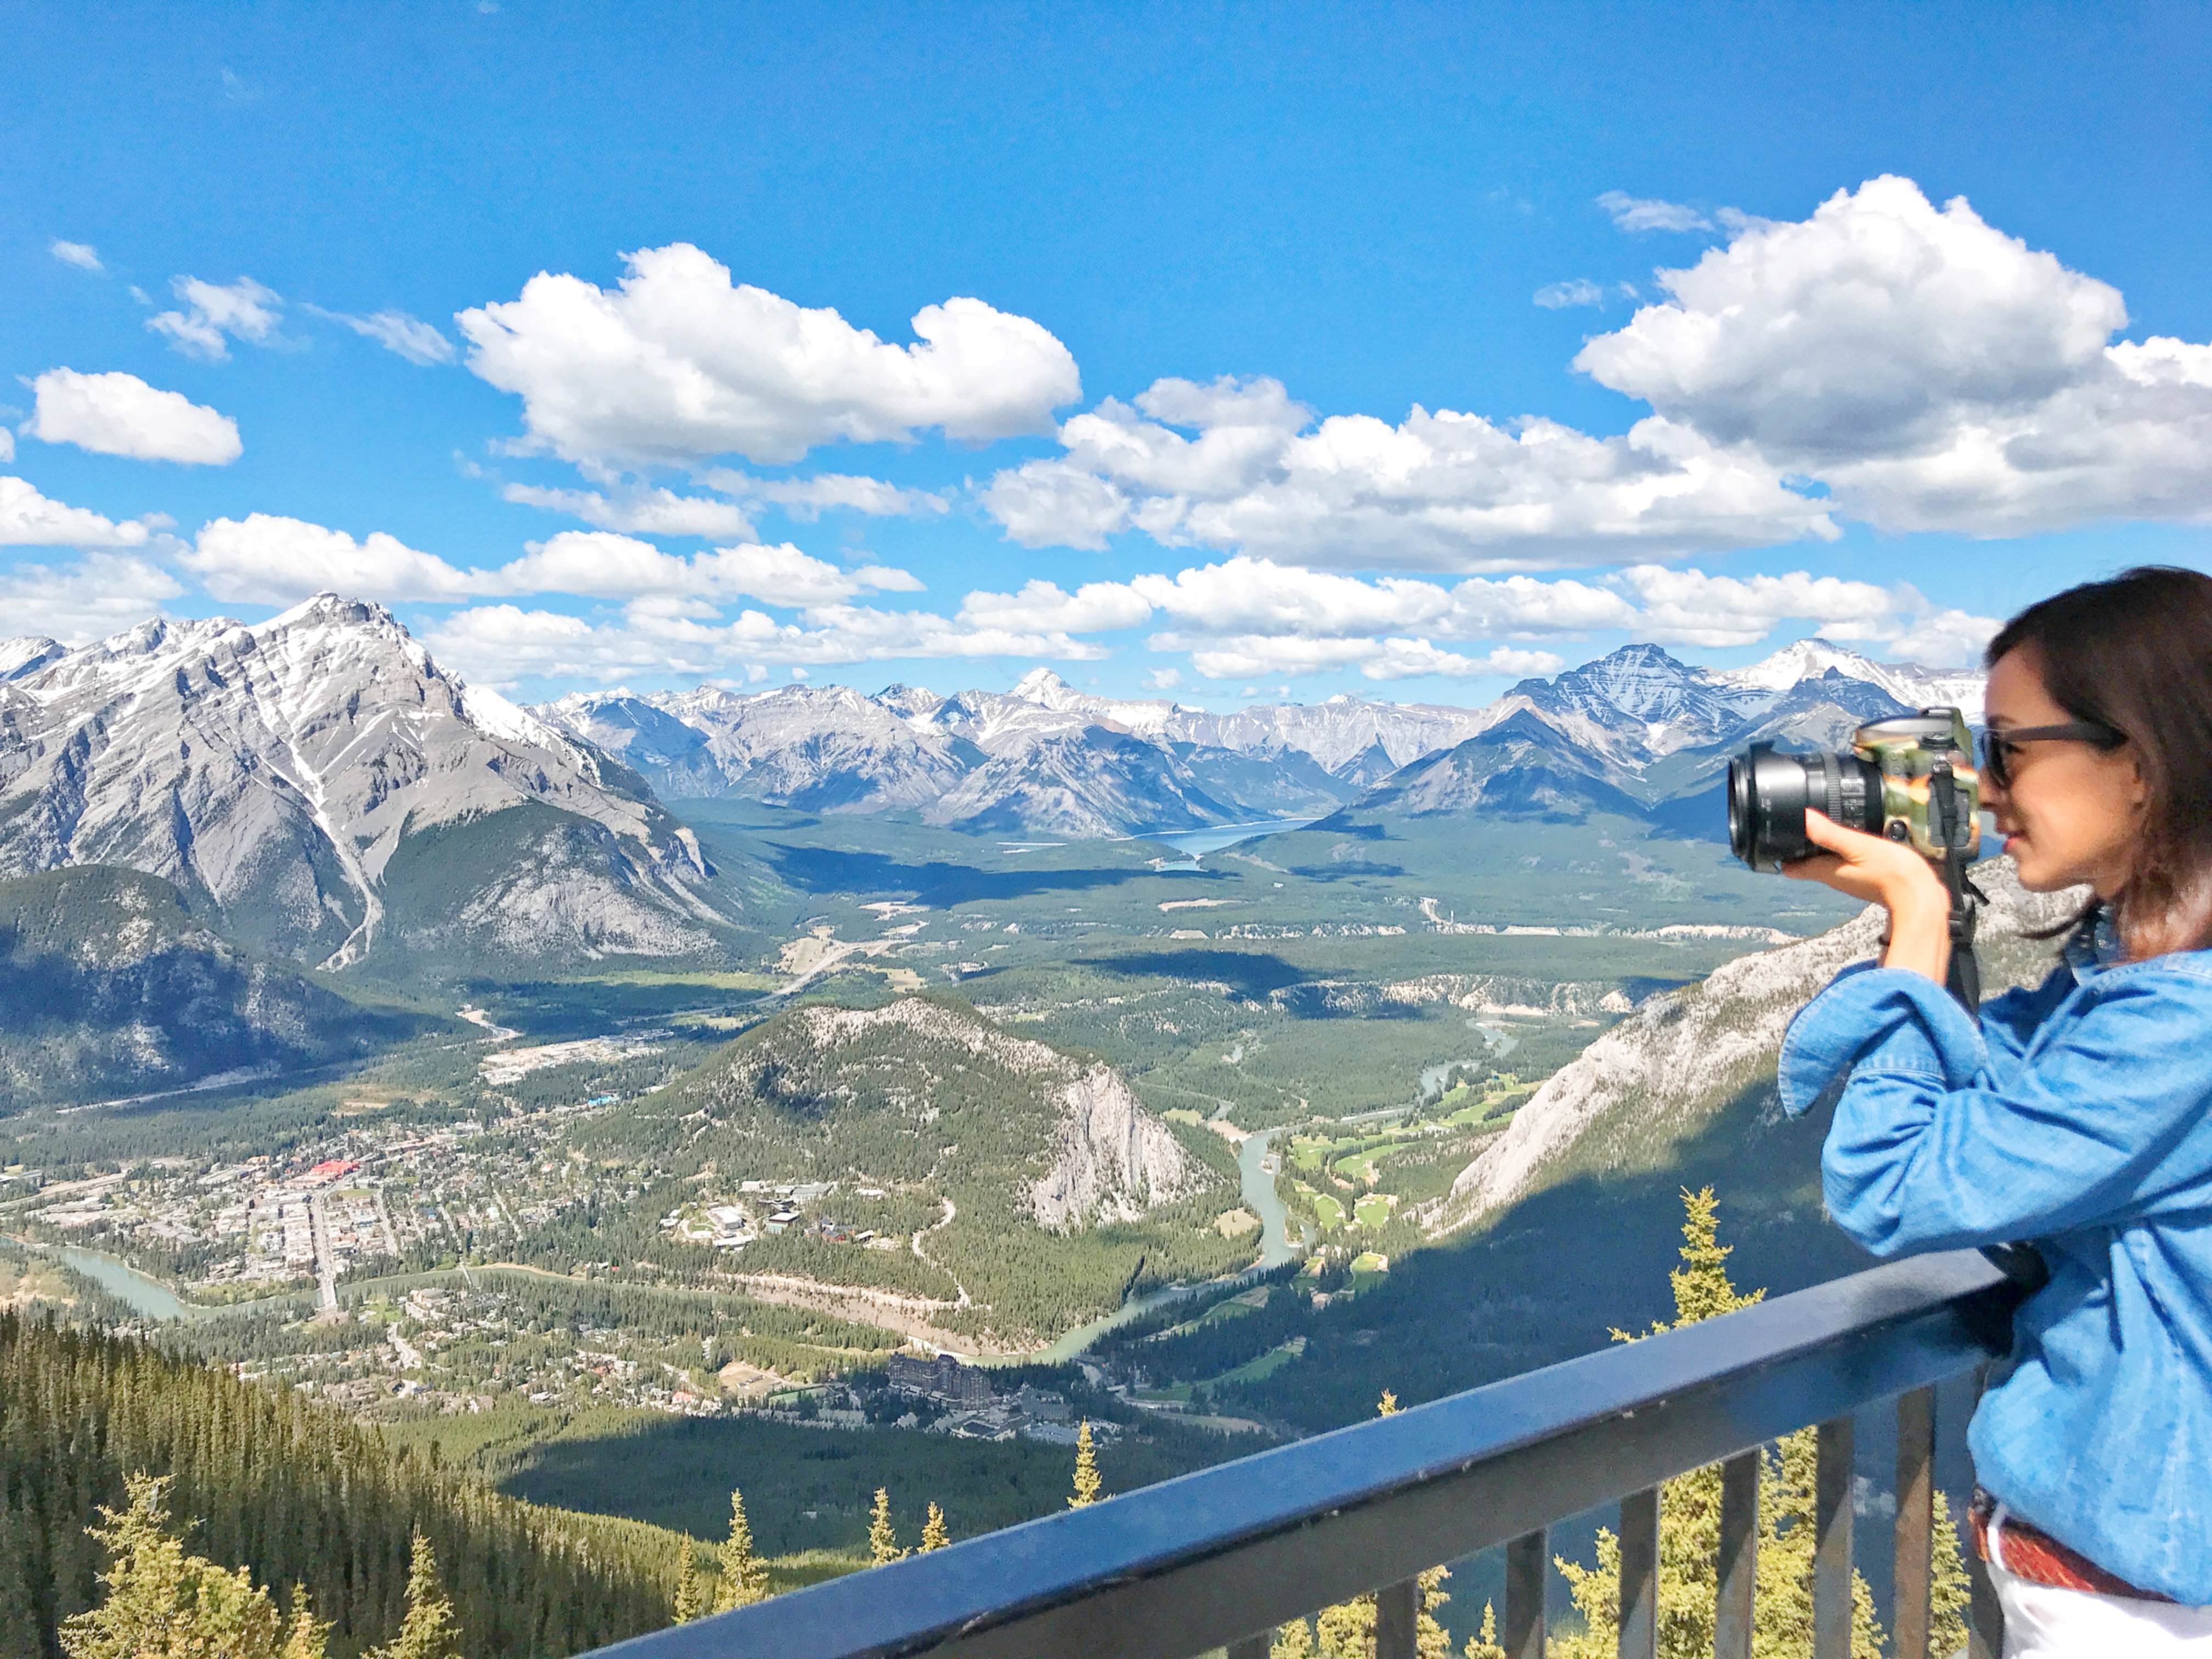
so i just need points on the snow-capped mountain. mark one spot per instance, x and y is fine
(25, 656)
(1913, 686)
(332, 792)
(1638, 725)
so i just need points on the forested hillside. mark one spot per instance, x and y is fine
(295, 1494)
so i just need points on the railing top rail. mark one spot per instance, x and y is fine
(1193, 1563)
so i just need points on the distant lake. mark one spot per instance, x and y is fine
(1212, 840)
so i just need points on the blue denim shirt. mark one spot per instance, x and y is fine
(2073, 1114)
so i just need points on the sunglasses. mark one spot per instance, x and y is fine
(1998, 744)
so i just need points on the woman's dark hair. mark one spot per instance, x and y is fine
(2135, 654)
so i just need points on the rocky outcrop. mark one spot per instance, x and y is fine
(1685, 1056)
(1115, 1160)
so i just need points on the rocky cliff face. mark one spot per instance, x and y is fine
(1683, 1056)
(281, 772)
(1115, 1160)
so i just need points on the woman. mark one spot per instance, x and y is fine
(2075, 1115)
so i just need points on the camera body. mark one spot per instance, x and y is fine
(1910, 778)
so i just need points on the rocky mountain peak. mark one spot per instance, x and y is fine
(21, 658)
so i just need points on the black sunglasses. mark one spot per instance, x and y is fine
(1999, 742)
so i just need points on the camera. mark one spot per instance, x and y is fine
(1911, 778)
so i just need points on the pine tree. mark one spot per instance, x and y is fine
(883, 1542)
(1388, 1405)
(1484, 1644)
(744, 1575)
(1087, 1481)
(428, 1629)
(933, 1534)
(1293, 1641)
(162, 1603)
(690, 1597)
(18, 1609)
(1689, 1519)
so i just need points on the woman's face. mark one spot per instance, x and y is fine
(2071, 816)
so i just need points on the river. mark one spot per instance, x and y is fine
(1195, 842)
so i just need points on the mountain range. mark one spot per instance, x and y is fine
(1626, 732)
(319, 788)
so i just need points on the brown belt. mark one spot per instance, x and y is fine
(2034, 1555)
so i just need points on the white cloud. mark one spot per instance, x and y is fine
(596, 563)
(119, 414)
(271, 560)
(1246, 656)
(82, 255)
(266, 559)
(7, 445)
(500, 643)
(1095, 607)
(1945, 639)
(1442, 491)
(1934, 372)
(677, 364)
(243, 310)
(642, 512)
(809, 498)
(1577, 291)
(411, 338)
(99, 595)
(1636, 213)
(1688, 607)
(30, 519)
(1162, 679)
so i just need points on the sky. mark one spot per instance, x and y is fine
(1218, 352)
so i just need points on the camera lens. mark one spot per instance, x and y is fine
(1768, 794)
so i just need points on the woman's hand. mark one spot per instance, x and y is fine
(1877, 871)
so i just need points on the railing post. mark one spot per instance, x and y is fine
(1832, 1542)
(1738, 1557)
(1397, 1619)
(1528, 1571)
(1984, 1616)
(1639, 1575)
(1916, 1521)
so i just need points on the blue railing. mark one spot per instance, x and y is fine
(1220, 1557)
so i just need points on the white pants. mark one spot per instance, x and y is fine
(2044, 1622)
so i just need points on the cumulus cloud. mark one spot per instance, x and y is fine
(268, 559)
(641, 512)
(214, 314)
(1440, 491)
(1162, 679)
(30, 519)
(1633, 213)
(82, 255)
(1578, 291)
(1933, 371)
(809, 498)
(410, 337)
(1688, 607)
(499, 643)
(1246, 656)
(1944, 638)
(95, 596)
(119, 414)
(1093, 608)
(677, 364)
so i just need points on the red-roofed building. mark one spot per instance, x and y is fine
(332, 1170)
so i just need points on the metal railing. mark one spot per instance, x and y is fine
(1222, 1556)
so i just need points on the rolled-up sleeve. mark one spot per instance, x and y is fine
(1928, 1151)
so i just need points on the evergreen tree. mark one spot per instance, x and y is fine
(1087, 1481)
(691, 1598)
(1484, 1644)
(1689, 1519)
(1293, 1640)
(883, 1542)
(162, 1603)
(18, 1609)
(933, 1534)
(744, 1575)
(428, 1629)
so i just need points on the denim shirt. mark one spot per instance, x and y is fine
(2073, 1114)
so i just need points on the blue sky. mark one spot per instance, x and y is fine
(1204, 266)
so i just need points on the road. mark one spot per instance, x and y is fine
(326, 1265)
